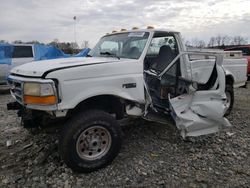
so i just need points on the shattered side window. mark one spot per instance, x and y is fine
(158, 42)
(161, 52)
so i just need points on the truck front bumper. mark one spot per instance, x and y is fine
(26, 115)
(30, 118)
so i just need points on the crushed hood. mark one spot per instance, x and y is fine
(38, 68)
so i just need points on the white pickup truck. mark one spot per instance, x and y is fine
(137, 73)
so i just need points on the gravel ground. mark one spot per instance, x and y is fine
(153, 155)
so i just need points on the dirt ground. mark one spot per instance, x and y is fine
(153, 155)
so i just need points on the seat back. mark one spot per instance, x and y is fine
(164, 58)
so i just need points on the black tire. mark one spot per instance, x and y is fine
(230, 92)
(75, 127)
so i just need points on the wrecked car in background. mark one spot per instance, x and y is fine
(136, 73)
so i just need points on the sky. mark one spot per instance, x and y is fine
(46, 20)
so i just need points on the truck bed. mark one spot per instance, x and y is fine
(233, 63)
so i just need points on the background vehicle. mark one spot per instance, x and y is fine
(245, 52)
(18, 54)
(129, 73)
(21, 53)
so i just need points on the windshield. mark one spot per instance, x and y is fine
(121, 45)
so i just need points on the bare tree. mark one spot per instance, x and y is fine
(74, 45)
(18, 42)
(85, 44)
(3, 41)
(218, 40)
(225, 40)
(197, 43)
(201, 44)
(239, 40)
(211, 42)
(67, 47)
(34, 42)
(187, 43)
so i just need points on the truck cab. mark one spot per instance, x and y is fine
(144, 73)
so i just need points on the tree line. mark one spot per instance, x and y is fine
(219, 41)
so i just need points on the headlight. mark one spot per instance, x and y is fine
(32, 89)
(37, 89)
(39, 93)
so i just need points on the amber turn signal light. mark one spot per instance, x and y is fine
(40, 100)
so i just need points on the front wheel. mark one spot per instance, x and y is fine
(90, 140)
(230, 99)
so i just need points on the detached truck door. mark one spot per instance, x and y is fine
(199, 108)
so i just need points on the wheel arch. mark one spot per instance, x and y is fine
(109, 103)
(229, 89)
(229, 80)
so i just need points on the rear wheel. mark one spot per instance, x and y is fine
(230, 99)
(90, 140)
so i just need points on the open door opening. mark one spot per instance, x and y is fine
(196, 101)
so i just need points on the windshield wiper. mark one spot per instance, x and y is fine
(109, 54)
(88, 55)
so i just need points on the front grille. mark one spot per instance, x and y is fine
(16, 90)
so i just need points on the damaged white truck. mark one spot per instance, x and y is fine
(140, 73)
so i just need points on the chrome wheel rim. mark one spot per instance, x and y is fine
(93, 143)
(228, 101)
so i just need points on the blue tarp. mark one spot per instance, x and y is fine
(48, 52)
(6, 51)
(83, 53)
(41, 52)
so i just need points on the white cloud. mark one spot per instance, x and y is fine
(46, 20)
